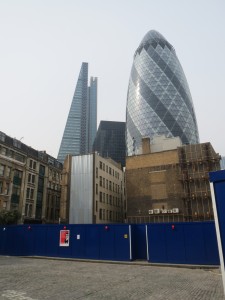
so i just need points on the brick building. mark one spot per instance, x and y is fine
(170, 185)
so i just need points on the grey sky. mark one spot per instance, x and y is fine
(44, 42)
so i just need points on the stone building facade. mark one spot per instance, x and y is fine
(30, 182)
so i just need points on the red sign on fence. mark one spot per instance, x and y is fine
(64, 238)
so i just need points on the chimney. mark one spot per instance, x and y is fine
(146, 148)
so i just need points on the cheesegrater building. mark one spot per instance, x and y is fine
(159, 100)
(81, 125)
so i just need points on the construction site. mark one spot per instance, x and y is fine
(169, 182)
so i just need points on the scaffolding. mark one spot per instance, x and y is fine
(196, 161)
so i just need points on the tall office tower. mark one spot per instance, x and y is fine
(159, 100)
(92, 111)
(81, 125)
(110, 141)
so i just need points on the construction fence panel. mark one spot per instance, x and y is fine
(183, 243)
(176, 243)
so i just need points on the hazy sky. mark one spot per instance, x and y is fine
(44, 42)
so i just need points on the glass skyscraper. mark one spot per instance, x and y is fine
(92, 112)
(81, 125)
(159, 100)
(110, 141)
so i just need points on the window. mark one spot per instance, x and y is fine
(56, 214)
(51, 213)
(19, 157)
(16, 143)
(7, 188)
(2, 136)
(103, 183)
(106, 168)
(51, 161)
(103, 197)
(100, 214)
(42, 170)
(110, 199)
(2, 170)
(100, 165)
(3, 151)
(96, 206)
(96, 172)
(107, 199)
(110, 185)
(8, 172)
(100, 198)
(96, 189)
(9, 153)
(32, 164)
(28, 210)
(31, 178)
(58, 164)
(1, 187)
(16, 190)
(18, 173)
(30, 193)
(57, 176)
(107, 184)
(110, 171)
(39, 198)
(103, 167)
(100, 182)
(57, 202)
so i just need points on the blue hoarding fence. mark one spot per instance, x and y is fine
(175, 243)
(217, 186)
(111, 242)
(182, 243)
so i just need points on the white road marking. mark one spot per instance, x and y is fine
(10, 294)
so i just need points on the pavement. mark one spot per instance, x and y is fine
(34, 278)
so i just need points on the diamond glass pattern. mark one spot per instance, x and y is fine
(158, 100)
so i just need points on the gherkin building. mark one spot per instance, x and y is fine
(159, 100)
